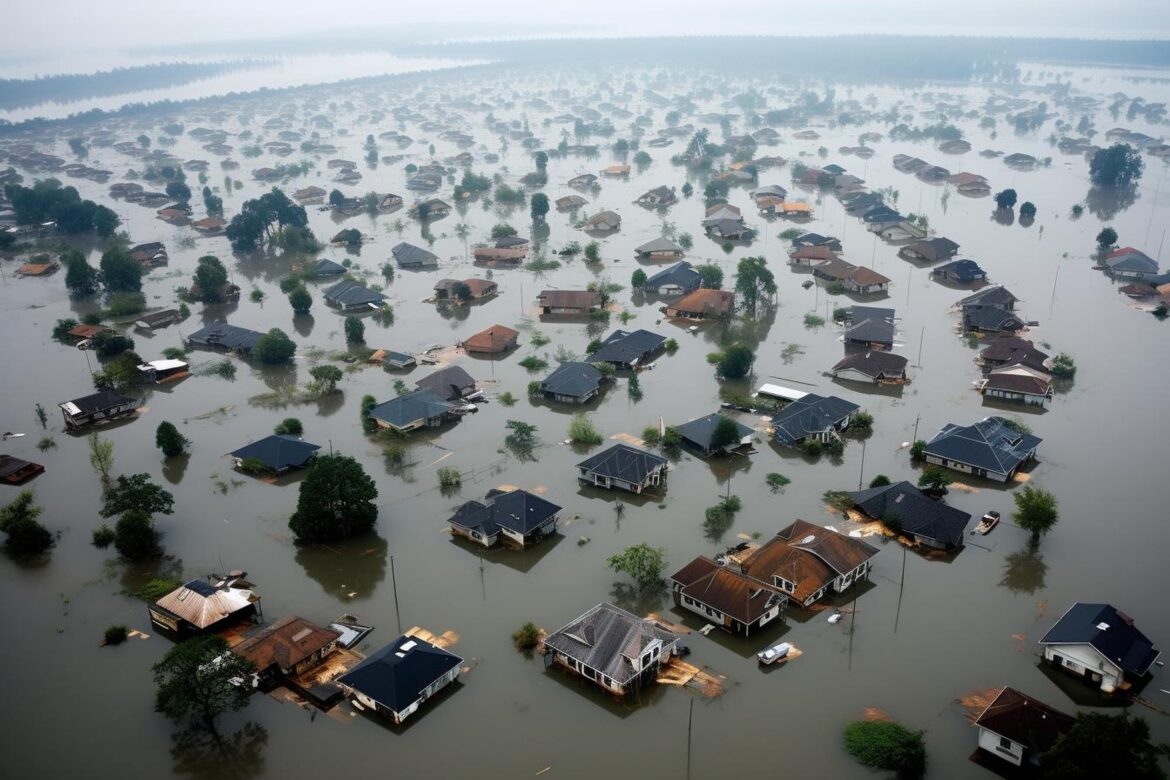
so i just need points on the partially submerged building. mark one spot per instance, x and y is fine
(733, 601)
(572, 383)
(97, 409)
(806, 562)
(903, 508)
(201, 606)
(516, 518)
(988, 448)
(1101, 644)
(277, 453)
(396, 680)
(623, 467)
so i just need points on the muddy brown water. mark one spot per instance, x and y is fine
(965, 623)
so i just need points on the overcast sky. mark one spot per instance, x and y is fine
(45, 25)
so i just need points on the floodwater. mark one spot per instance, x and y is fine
(923, 632)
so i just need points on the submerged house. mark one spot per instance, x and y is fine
(451, 383)
(396, 680)
(157, 319)
(1100, 643)
(1019, 729)
(628, 349)
(277, 453)
(229, 338)
(700, 434)
(813, 417)
(97, 409)
(703, 304)
(1018, 383)
(201, 606)
(14, 471)
(733, 601)
(572, 383)
(678, 279)
(806, 562)
(1010, 350)
(657, 249)
(623, 467)
(988, 448)
(614, 649)
(287, 648)
(492, 340)
(959, 272)
(571, 303)
(420, 409)
(659, 197)
(903, 508)
(517, 518)
(1130, 263)
(411, 256)
(348, 295)
(929, 251)
(159, 371)
(873, 366)
(603, 222)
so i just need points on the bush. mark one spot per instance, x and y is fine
(1027, 210)
(918, 450)
(135, 537)
(103, 536)
(116, 635)
(735, 362)
(671, 346)
(26, 536)
(289, 426)
(300, 300)
(641, 562)
(862, 422)
(355, 331)
(155, 589)
(777, 481)
(671, 438)
(1106, 238)
(813, 320)
(886, 746)
(934, 480)
(812, 447)
(449, 477)
(526, 637)
(835, 447)
(650, 436)
(1063, 366)
(534, 387)
(507, 399)
(881, 480)
(533, 363)
(168, 439)
(274, 347)
(581, 431)
(638, 278)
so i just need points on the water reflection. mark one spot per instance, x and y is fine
(303, 324)
(348, 570)
(1107, 202)
(174, 468)
(638, 600)
(1024, 570)
(1004, 217)
(199, 753)
(619, 706)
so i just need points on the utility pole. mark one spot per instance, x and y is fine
(690, 723)
(921, 336)
(394, 583)
(901, 587)
(917, 417)
(861, 473)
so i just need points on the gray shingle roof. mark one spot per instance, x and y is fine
(621, 461)
(987, 444)
(916, 512)
(606, 637)
(409, 255)
(573, 379)
(411, 407)
(278, 451)
(812, 414)
(517, 510)
(347, 293)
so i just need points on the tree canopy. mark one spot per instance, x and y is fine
(643, 563)
(48, 201)
(210, 280)
(1005, 199)
(1118, 166)
(711, 275)
(81, 279)
(274, 347)
(1106, 238)
(168, 439)
(336, 501)
(261, 219)
(1100, 745)
(887, 746)
(119, 272)
(300, 300)
(194, 681)
(753, 280)
(735, 362)
(135, 536)
(137, 492)
(1035, 510)
(26, 537)
(538, 206)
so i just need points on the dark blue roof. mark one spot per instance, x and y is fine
(627, 348)
(409, 254)
(701, 430)
(220, 334)
(917, 513)
(960, 270)
(576, 380)
(327, 267)
(872, 330)
(621, 461)
(517, 510)
(278, 452)
(1110, 632)
(410, 408)
(988, 444)
(681, 273)
(350, 293)
(450, 383)
(396, 675)
(810, 415)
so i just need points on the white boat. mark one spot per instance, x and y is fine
(774, 653)
(835, 618)
(989, 521)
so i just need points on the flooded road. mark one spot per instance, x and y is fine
(922, 634)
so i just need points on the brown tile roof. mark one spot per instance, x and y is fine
(712, 302)
(497, 338)
(87, 331)
(731, 593)
(1024, 720)
(285, 643)
(810, 563)
(813, 253)
(568, 299)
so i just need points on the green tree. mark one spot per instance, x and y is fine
(1027, 210)
(261, 221)
(81, 279)
(101, 456)
(289, 426)
(1035, 510)
(725, 434)
(119, 272)
(355, 331)
(1100, 745)
(213, 203)
(135, 537)
(638, 279)
(336, 501)
(593, 251)
(137, 492)
(886, 746)
(1118, 166)
(918, 450)
(369, 425)
(538, 207)
(934, 480)
(274, 347)
(1106, 238)
(195, 681)
(582, 431)
(881, 480)
(735, 362)
(336, 198)
(210, 280)
(643, 563)
(179, 191)
(300, 300)
(1005, 199)
(711, 276)
(168, 439)
(325, 378)
(26, 537)
(753, 279)
(526, 637)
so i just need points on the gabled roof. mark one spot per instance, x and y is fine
(991, 319)
(996, 295)
(729, 592)
(397, 675)
(700, 431)
(987, 444)
(962, 270)
(812, 414)
(278, 451)
(660, 244)
(1012, 349)
(326, 267)
(1109, 631)
(518, 511)
(709, 302)
(621, 461)
(681, 273)
(934, 247)
(220, 334)
(627, 347)
(411, 407)
(1129, 259)
(606, 638)
(917, 513)
(872, 330)
(202, 604)
(874, 364)
(449, 383)
(807, 555)
(569, 299)
(1020, 378)
(496, 338)
(409, 254)
(348, 293)
(1024, 720)
(285, 643)
(573, 379)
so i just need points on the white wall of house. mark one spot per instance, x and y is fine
(1001, 747)
(854, 375)
(1085, 661)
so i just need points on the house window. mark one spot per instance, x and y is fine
(1005, 743)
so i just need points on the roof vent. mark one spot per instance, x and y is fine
(1102, 626)
(808, 539)
(406, 648)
